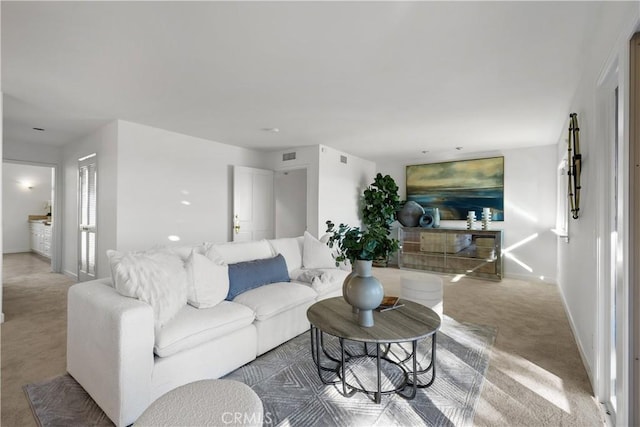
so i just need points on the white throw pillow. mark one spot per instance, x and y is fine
(316, 254)
(291, 249)
(208, 281)
(155, 277)
(235, 252)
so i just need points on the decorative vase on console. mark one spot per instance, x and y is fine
(364, 292)
(410, 214)
(431, 218)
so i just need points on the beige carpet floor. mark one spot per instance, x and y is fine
(535, 376)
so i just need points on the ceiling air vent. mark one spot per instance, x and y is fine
(288, 156)
(343, 159)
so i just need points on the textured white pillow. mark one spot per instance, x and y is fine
(208, 281)
(155, 277)
(316, 254)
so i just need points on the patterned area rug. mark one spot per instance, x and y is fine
(286, 380)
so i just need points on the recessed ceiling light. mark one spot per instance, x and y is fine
(425, 151)
(458, 148)
(39, 129)
(274, 130)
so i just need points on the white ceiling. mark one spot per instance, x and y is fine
(381, 80)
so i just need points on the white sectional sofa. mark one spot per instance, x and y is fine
(125, 357)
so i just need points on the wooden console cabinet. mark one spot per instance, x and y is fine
(474, 253)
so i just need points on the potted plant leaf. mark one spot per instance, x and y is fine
(379, 205)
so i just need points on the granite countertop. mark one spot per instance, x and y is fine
(45, 219)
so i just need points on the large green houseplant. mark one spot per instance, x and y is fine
(379, 205)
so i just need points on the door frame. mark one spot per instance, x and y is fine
(610, 130)
(56, 231)
(634, 224)
(79, 162)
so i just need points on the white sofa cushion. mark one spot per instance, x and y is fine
(269, 300)
(235, 252)
(192, 327)
(185, 251)
(155, 277)
(316, 254)
(291, 249)
(208, 281)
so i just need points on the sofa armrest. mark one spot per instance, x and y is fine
(110, 341)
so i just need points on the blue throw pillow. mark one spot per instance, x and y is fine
(244, 276)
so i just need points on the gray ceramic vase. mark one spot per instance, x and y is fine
(364, 292)
(410, 214)
(431, 218)
(345, 284)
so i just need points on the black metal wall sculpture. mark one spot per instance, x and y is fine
(575, 164)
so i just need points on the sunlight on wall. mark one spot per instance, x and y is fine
(517, 261)
(520, 243)
(523, 213)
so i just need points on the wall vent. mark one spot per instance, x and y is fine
(343, 159)
(289, 156)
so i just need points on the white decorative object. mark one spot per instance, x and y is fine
(486, 218)
(208, 282)
(471, 220)
(423, 288)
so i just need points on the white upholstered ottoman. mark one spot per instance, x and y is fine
(423, 288)
(205, 403)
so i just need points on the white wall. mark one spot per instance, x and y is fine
(20, 202)
(334, 189)
(341, 187)
(530, 206)
(581, 260)
(290, 189)
(103, 142)
(158, 170)
(31, 153)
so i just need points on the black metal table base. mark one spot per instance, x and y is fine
(336, 365)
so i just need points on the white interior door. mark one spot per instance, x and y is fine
(87, 224)
(253, 204)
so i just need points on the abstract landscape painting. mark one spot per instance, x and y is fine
(457, 187)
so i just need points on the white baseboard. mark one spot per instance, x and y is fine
(15, 251)
(67, 273)
(581, 351)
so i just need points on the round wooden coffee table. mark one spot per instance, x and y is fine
(404, 326)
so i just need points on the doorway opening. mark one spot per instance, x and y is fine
(291, 202)
(30, 223)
